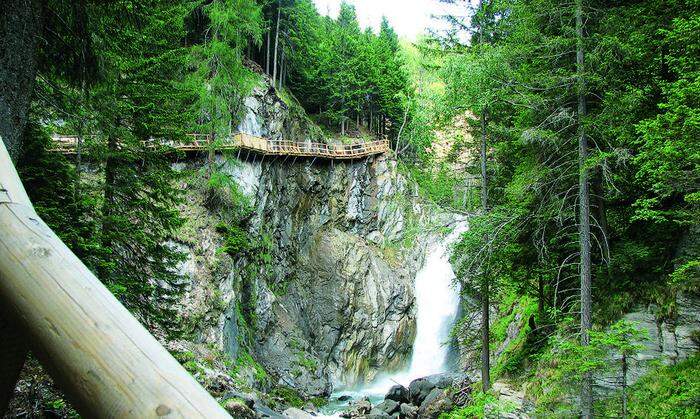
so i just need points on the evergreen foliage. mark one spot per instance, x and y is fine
(641, 103)
(620, 127)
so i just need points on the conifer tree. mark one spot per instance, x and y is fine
(221, 79)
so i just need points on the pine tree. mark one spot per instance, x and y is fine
(221, 79)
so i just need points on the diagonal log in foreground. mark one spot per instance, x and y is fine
(107, 363)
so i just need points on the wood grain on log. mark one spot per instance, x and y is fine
(107, 363)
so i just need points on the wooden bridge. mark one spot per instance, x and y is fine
(67, 144)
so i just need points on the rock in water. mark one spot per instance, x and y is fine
(248, 398)
(408, 411)
(419, 389)
(294, 413)
(398, 393)
(358, 409)
(311, 408)
(438, 401)
(388, 406)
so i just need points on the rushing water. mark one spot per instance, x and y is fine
(437, 302)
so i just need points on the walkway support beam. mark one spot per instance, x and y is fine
(106, 362)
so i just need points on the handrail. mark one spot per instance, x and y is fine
(106, 362)
(273, 147)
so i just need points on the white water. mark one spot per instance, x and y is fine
(437, 302)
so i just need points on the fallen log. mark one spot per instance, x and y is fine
(105, 361)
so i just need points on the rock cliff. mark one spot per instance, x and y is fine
(330, 303)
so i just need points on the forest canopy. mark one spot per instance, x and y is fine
(568, 133)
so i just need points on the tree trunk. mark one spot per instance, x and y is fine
(79, 145)
(78, 161)
(485, 332)
(403, 125)
(624, 384)
(485, 327)
(109, 195)
(267, 52)
(486, 286)
(282, 69)
(599, 208)
(484, 179)
(19, 31)
(277, 40)
(584, 214)
(540, 297)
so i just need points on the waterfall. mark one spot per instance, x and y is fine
(437, 302)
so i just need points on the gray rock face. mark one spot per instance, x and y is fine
(265, 412)
(335, 303)
(359, 408)
(238, 409)
(336, 307)
(294, 413)
(513, 398)
(667, 340)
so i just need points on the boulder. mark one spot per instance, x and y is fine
(294, 413)
(377, 414)
(344, 398)
(359, 408)
(311, 408)
(438, 401)
(388, 406)
(398, 393)
(408, 411)
(263, 411)
(446, 380)
(238, 409)
(419, 389)
(248, 398)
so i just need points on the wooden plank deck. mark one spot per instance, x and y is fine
(67, 144)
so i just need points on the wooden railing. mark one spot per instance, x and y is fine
(67, 144)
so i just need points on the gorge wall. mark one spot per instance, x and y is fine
(328, 299)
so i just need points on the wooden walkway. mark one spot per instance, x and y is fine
(67, 144)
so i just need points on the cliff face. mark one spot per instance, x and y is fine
(345, 308)
(334, 303)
